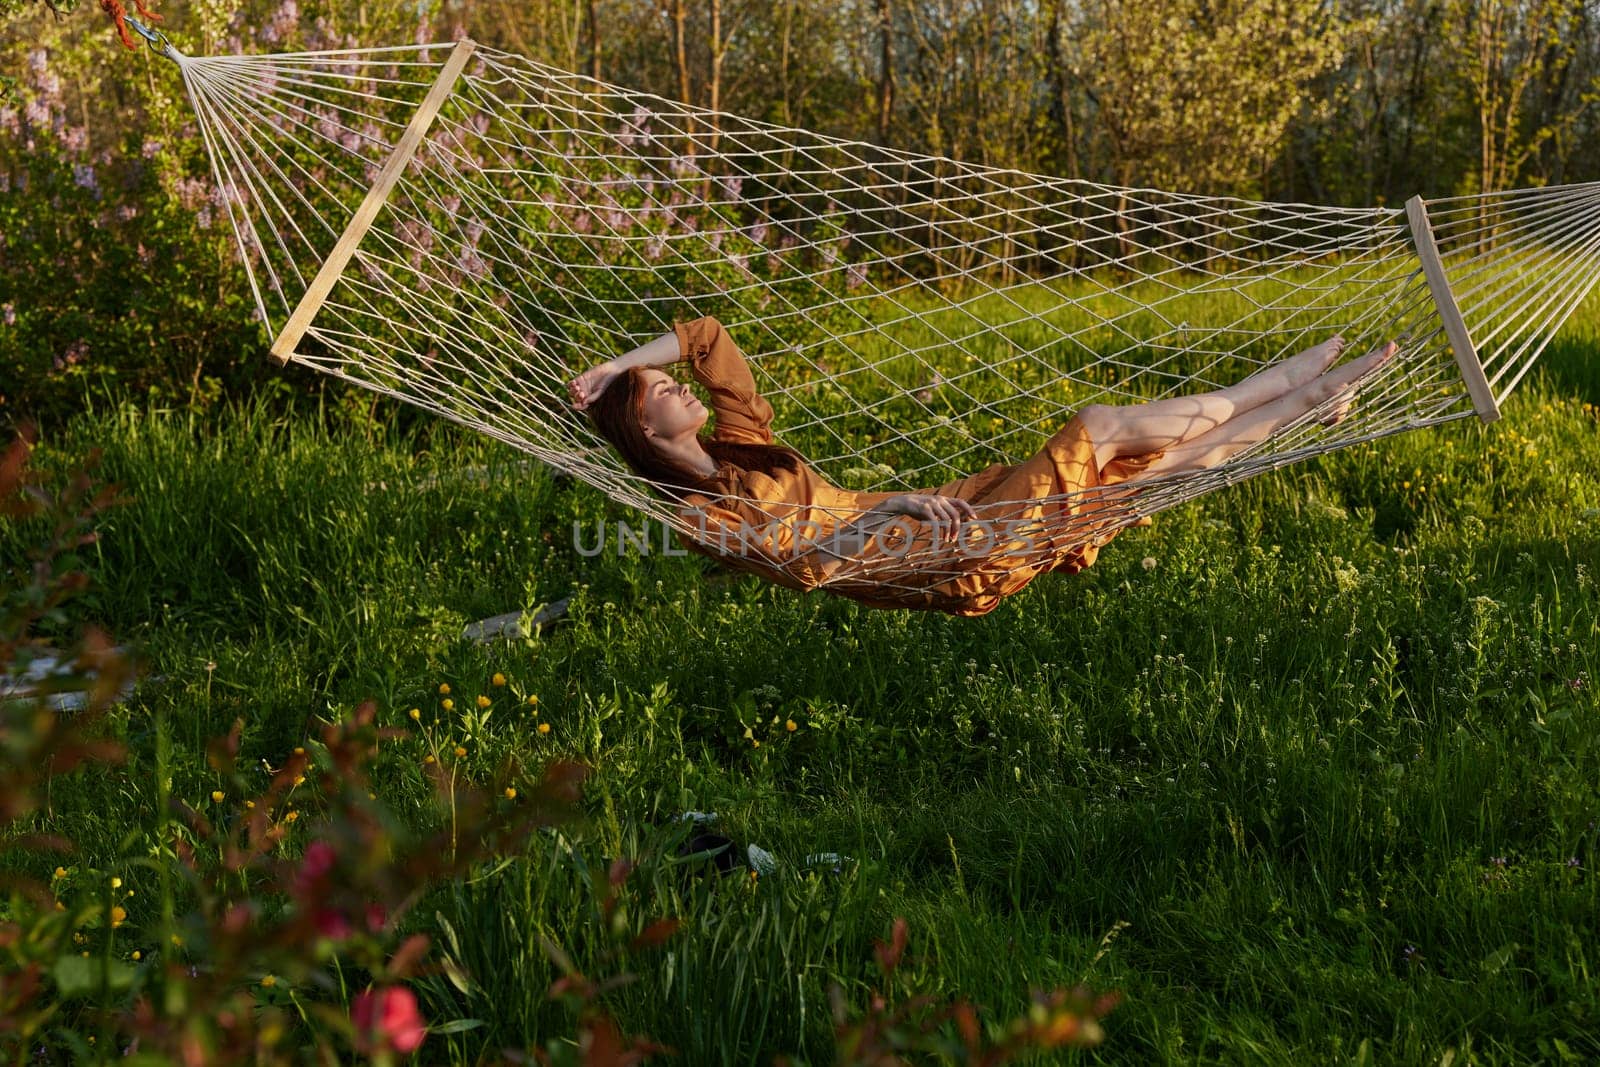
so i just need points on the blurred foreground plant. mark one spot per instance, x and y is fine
(917, 1025)
(271, 942)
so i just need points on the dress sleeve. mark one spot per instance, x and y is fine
(716, 363)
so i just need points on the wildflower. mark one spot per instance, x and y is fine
(387, 1019)
(299, 750)
(119, 915)
(544, 728)
(332, 924)
(447, 704)
(217, 795)
(444, 689)
(85, 954)
(483, 701)
(61, 872)
(533, 700)
(136, 956)
(291, 817)
(788, 724)
(177, 941)
(1148, 563)
(250, 804)
(460, 751)
(498, 679)
(299, 779)
(427, 759)
(60, 906)
(416, 714)
(269, 981)
(511, 794)
(754, 743)
(116, 883)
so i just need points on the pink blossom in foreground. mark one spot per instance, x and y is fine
(387, 1020)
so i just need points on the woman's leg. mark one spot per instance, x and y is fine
(1134, 429)
(1237, 434)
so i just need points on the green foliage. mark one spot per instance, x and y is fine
(1334, 745)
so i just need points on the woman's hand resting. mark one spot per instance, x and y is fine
(588, 386)
(945, 511)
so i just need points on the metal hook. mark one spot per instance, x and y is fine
(158, 40)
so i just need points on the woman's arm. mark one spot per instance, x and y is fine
(592, 382)
(656, 353)
(830, 552)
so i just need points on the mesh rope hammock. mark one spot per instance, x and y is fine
(467, 229)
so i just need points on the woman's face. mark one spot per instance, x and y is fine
(671, 410)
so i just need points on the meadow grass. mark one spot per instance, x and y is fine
(1321, 784)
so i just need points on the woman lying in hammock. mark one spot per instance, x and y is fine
(773, 515)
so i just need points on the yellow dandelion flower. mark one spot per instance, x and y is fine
(217, 795)
(299, 779)
(427, 758)
(533, 700)
(1405, 485)
(544, 728)
(118, 915)
(291, 817)
(269, 981)
(416, 714)
(250, 804)
(460, 751)
(299, 751)
(754, 743)
(79, 939)
(788, 724)
(447, 703)
(484, 701)
(444, 689)
(498, 679)
(136, 956)
(116, 883)
(511, 794)
(61, 872)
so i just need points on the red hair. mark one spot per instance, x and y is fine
(618, 416)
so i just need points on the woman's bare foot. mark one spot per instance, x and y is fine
(1273, 381)
(1351, 377)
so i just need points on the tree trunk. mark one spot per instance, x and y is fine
(719, 51)
(885, 68)
(594, 41)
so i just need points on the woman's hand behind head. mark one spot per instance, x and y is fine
(587, 387)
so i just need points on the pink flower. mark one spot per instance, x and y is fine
(387, 1019)
(314, 868)
(331, 923)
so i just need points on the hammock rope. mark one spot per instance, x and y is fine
(467, 229)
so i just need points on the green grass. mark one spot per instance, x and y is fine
(1234, 786)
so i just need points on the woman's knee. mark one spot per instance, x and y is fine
(1100, 422)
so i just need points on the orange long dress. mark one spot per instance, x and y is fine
(769, 525)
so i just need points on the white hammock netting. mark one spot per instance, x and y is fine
(467, 229)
